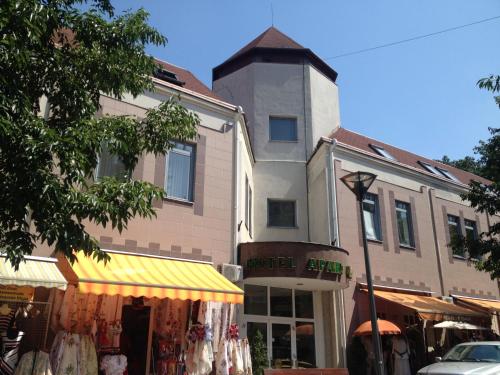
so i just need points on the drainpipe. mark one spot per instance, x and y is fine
(334, 237)
(305, 150)
(436, 243)
(236, 183)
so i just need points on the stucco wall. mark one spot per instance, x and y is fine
(280, 180)
(245, 171)
(275, 90)
(392, 264)
(459, 275)
(325, 112)
(202, 230)
(318, 207)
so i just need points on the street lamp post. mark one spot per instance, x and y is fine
(359, 183)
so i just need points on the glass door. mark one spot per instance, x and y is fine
(281, 344)
(284, 319)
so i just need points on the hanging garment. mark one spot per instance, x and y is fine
(246, 356)
(113, 364)
(58, 296)
(88, 356)
(236, 358)
(10, 354)
(191, 356)
(56, 350)
(401, 354)
(216, 323)
(66, 318)
(6, 319)
(202, 312)
(222, 359)
(70, 364)
(34, 363)
(204, 356)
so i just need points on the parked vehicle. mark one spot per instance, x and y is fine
(469, 358)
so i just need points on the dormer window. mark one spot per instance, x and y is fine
(382, 152)
(168, 76)
(447, 174)
(429, 167)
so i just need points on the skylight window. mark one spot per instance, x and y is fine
(167, 75)
(447, 174)
(382, 152)
(429, 168)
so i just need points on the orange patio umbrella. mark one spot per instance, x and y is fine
(384, 327)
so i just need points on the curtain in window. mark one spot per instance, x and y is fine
(369, 217)
(110, 165)
(403, 227)
(179, 170)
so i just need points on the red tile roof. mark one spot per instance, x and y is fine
(271, 38)
(361, 142)
(190, 81)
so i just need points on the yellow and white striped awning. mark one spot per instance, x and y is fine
(151, 276)
(34, 272)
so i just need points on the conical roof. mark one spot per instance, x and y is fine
(271, 38)
(272, 46)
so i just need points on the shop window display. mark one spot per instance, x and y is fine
(115, 335)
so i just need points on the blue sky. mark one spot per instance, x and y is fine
(420, 96)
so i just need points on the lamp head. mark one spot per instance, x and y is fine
(359, 183)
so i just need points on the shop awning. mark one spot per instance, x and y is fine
(34, 272)
(459, 325)
(485, 304)
(428, 308)
(150, 276)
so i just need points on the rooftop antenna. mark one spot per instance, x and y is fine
(272, 15)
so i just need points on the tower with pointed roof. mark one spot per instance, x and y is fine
(274, 76)
(290, 99)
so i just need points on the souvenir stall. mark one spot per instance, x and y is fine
(24, 314)
(143, 314)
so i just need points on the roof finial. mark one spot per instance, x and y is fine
(272, 15)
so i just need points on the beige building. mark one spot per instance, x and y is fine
(259, 196)
(300, 153)
(196, 220)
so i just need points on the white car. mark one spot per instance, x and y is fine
(482, 357)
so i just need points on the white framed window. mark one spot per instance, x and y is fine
(282, 129)
(404, 223)
(109, 165)
(248, 205)
(382, 152)
(281, 213)
(287, 321)
(179, 176)
(371, 216)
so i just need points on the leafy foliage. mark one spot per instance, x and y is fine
(468, 163)
(492, 83)
(485, 198)
(258, 352)
(56, 51)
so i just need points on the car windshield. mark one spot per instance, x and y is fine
(473, 353)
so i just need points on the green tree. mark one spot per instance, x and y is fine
(485, 198)
(71, 54)
(258, 352)
(468, 163)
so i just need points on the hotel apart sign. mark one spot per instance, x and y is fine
(295, 259)
(312, 264)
